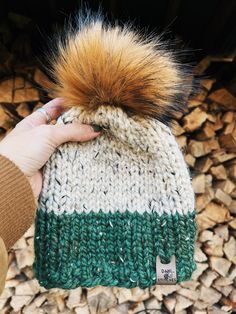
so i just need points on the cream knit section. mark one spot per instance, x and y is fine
(135, 165)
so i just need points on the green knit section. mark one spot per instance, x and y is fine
(111, 249)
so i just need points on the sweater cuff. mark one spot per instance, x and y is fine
(17, 204)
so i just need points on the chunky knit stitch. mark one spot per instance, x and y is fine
(110, 206)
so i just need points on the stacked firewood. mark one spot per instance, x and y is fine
(207, 136)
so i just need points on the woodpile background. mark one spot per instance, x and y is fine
(207, 136)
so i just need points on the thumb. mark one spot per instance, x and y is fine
(73, 132)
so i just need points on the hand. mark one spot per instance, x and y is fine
(30, 144)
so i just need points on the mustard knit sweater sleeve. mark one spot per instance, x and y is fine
(17, 209)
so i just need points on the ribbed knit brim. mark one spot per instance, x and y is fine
(108, 249)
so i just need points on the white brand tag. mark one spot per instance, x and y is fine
(166, 273)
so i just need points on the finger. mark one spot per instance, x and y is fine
(54, 109)
(73, 132)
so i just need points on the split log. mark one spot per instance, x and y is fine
(199, 270)
(203, 164)
(222, 231)
(170, 303)
(212, 215)
(232, 207)
(230, 250)
(23, 110)
(204, 199)
(220, 156)
(199, 183)
(25, 95)
(198, 149)
(30, 287)
(182, 141)
(220, 265)
(226, 186)
(209, 295)
(199, 256)
(176, 128)
(224, 98)
(152, 303)
(228, 141)
(214, 246)
(214, 144)
(6, 91)
(228, 117)
(182, 303)
(229, 128)
(208, 277)
(190, 160)
(194, 120)
(17, 302)
(223, 197)
(232, 223)
(24, 257)
(219, 172)
(207, 132)
(207, 83)
(232, 171)
(100, 299)
(74, 298)
(7, 118)
(19, 83)
(218, 124)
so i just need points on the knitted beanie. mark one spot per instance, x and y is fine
(117, 210)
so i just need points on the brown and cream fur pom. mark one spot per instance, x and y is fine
(97, 63)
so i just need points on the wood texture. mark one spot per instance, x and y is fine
(206, 134)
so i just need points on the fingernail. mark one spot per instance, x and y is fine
(96, 128)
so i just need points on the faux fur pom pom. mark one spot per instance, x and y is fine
(97, 63)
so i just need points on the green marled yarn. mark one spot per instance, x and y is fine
(111, 249)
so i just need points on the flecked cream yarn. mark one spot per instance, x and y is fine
(110, 206)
